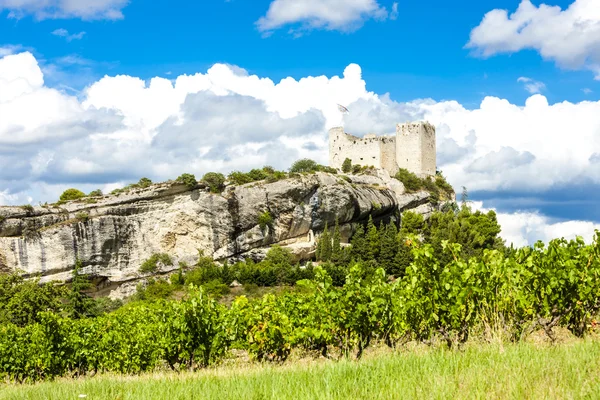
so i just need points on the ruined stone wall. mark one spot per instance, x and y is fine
(362, 151)
(415, 148)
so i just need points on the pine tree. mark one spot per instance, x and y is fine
(359, 248)
(80, 304)
(319, 249)
(326, 244)
(389, 247)
(336, 249)
(372, 238)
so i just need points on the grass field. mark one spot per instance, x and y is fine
(524, 371)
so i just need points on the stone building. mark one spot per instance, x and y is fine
(412, 148)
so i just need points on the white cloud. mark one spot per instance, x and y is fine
(526, 228)
(68, 37)
(587, 91)
(532, 86)
(569, 37)
(51, 9)
(340, 15)
(122, 127)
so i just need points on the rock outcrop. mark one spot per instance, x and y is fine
(114, 235)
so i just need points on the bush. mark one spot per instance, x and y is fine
(28, 208)
(356, 169)
(82, 217)
(239, 178)
(304, 165)
(215, 181)
(144, 183)
(347, 166)
(411, 182)
(95, 193)
(72, 194)
(188, 180)
(265, 220)
(151, 264)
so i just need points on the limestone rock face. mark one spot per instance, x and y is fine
(114, 235)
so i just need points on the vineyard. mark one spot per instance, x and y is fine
(443, 294)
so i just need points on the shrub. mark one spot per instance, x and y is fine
(347, 166)
(215, 181)
(411, 182)
(95, 193)
(151, 264)
(265, 220)
(327, 169)
(356, 169)
(144, 183)
(216, 288)
(304, 165)
(28, 208)
(82, 217)
(188, 180)
(72, 194)
(239, 178)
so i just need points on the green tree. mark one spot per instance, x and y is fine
(389, 247)
(347, 166)
(80, 304)
(359, 250)
(144, 183)
(326, 248)
(372, 237)
(337, 253)
(188, 180)
(72, 194)
(411, 223)
(215, 181)
(304, 165)
(95, 193)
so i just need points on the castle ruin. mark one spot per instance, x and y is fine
(412, 148)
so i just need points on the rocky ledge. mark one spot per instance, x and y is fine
(114, 235)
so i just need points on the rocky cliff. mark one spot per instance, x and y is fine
(113, 235)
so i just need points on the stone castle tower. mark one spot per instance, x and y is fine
(412, 148)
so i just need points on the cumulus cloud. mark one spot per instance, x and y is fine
(68, 37)
(50, 9)
(532, 86)
(569, 37)
(526, 228)
(122, 127)
(340, 15)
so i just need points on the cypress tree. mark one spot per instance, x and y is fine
(336, 249)
(80, 304)
(325, 244)
(359, 244)
(389, 247)
(372, 239)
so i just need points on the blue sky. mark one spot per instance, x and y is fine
(419, 55)
(512, 86)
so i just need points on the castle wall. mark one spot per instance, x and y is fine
(365, 151)
(413, 148)
(416, 148)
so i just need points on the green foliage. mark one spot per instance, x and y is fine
(95, 193)
(304, 165)
(324, 246)
(411, 182)
(22, 302)
(188, 180)
(80, 304)
(347, 166)
(71, 194)
(144, 183)
(28, 208)
(152, 264)
(266, 173)
(82, 216)
(265, 220)
(215, 181)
